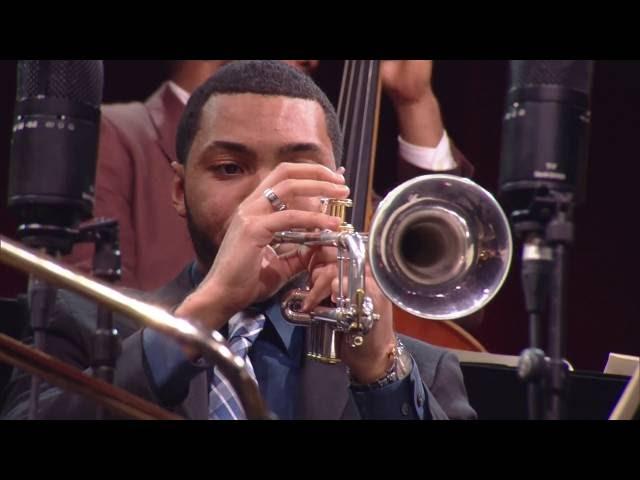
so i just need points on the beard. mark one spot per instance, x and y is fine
(206, 250)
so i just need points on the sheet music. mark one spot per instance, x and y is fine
(619, 364)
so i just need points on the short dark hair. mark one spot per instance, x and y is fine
(262, 77)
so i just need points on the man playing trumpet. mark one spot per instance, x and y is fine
(257, 146)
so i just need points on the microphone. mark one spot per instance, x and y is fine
(54, 142)
(542, 177)
(545, 132)
(54, 148)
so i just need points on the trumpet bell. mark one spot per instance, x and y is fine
(440, 247)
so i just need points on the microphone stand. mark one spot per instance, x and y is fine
(547, 228)
(104, 234)
(41, 299)
(53, 240)
(559, 232)
(56, 241)
(535, 272)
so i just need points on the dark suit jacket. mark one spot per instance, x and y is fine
(324, 392)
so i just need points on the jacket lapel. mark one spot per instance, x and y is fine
(324, 392)
(196, 405)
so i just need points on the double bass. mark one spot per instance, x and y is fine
(358, 111)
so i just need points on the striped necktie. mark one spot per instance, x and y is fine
(244, 328)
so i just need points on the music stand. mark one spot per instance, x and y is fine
(628, 407)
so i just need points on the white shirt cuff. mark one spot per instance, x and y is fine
(437, 159)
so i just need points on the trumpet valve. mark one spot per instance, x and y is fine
(337, 207)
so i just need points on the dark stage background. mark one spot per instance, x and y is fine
(603, 315)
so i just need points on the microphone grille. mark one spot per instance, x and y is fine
(77, 80)
(573, 74)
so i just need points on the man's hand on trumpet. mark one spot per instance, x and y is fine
(371, 360)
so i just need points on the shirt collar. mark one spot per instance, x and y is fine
(179, 92)
(270, 308)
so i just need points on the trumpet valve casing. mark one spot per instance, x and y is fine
(337, 207)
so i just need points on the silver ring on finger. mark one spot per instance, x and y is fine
(277, 204)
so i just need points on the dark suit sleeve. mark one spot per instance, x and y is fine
(411, 399)
(448, 390)
(401, 400)
(442, 377)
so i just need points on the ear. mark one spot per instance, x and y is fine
(177, 190)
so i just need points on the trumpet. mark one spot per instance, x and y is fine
(439, 247)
